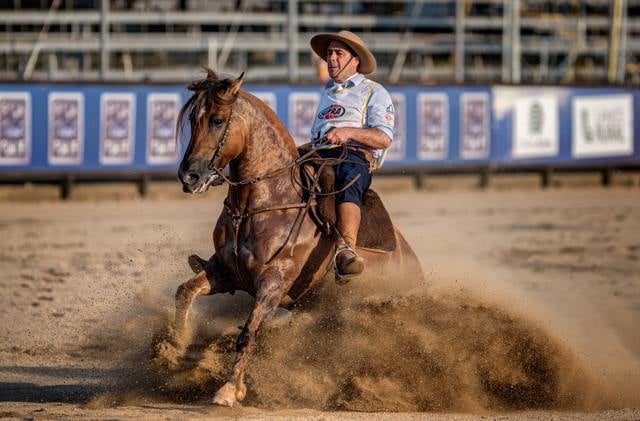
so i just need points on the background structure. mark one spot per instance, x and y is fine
(428, 41)
(90, 89)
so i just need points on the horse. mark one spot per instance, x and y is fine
(266, 241)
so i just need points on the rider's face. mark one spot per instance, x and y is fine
(341, 64)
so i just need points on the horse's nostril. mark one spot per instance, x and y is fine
(191, 177)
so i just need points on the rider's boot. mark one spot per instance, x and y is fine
(347, 263)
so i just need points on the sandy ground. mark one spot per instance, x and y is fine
(88, 283)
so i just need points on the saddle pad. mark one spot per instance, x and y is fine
(376, 229)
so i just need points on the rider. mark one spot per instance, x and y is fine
(359, 112)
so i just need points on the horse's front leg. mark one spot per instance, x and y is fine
(171, 348)
(271, 288)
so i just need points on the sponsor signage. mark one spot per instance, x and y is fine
(117, 123)
(95, 127)
(15, 128)
(66, 128)
(302, 113)
(602, 126)
(535, 131)
(162, 117)
(474, 125)
(397, 150)
(433, 126)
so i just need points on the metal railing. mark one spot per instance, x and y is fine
(508, 41)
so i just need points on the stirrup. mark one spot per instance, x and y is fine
(340, 278)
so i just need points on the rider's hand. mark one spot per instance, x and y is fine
(338, 135)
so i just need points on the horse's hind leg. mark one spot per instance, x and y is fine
(170, 350)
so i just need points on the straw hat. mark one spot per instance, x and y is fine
(320, 43)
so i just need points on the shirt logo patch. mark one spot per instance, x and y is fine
(390, 109)
(331, 112)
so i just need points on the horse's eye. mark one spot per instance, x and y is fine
(215, 121)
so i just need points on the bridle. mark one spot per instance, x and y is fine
(211, 166)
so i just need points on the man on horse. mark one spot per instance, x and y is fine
(358, 112)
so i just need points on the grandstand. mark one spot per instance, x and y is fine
(592, 42)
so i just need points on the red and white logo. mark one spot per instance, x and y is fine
(331, 112)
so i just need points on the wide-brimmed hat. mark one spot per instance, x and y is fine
(320, 43)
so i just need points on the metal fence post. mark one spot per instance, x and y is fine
(515, 42)
(104, 39)
(459, 52)
(618, 42)
(506, 41)
(293, 40)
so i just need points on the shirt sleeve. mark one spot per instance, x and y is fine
(380, 111)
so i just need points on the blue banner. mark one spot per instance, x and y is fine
(103, 128)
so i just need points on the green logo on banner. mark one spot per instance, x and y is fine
(536, 118)
(586, 127)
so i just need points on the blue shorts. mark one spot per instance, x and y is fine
(355, 164)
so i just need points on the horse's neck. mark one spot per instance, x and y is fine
(268, 148)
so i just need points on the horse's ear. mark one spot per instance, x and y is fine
(234, 88)
(211, 74)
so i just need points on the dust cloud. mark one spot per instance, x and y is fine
(343, 348)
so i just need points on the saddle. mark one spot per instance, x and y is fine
(376, 229)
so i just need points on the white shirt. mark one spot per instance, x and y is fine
(357, 102)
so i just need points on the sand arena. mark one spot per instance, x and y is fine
(530, 309)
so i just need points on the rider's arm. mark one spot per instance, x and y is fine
(371, 137)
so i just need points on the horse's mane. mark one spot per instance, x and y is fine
(207, 92)
(213, 91)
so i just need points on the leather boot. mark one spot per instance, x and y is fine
(347, 262)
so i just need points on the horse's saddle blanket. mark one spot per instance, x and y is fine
(376, 229)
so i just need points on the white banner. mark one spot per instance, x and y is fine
(602, 126)
(302, 114)
(162, 117)
(15, 128)
(433, 126)
(397, 150)
(117, 124)
(474, 125)
(66, 128)
(535, 127)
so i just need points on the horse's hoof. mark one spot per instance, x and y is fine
(169, 349)
(196, 263)
(166, 356)
(227, 395)
(241, 392)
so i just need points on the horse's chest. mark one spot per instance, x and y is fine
(251, 244)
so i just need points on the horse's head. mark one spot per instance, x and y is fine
(215, 140)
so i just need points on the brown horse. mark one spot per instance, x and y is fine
(266, 242)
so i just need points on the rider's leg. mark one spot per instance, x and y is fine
(355, 171)
(348, 222)
(348, 263)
